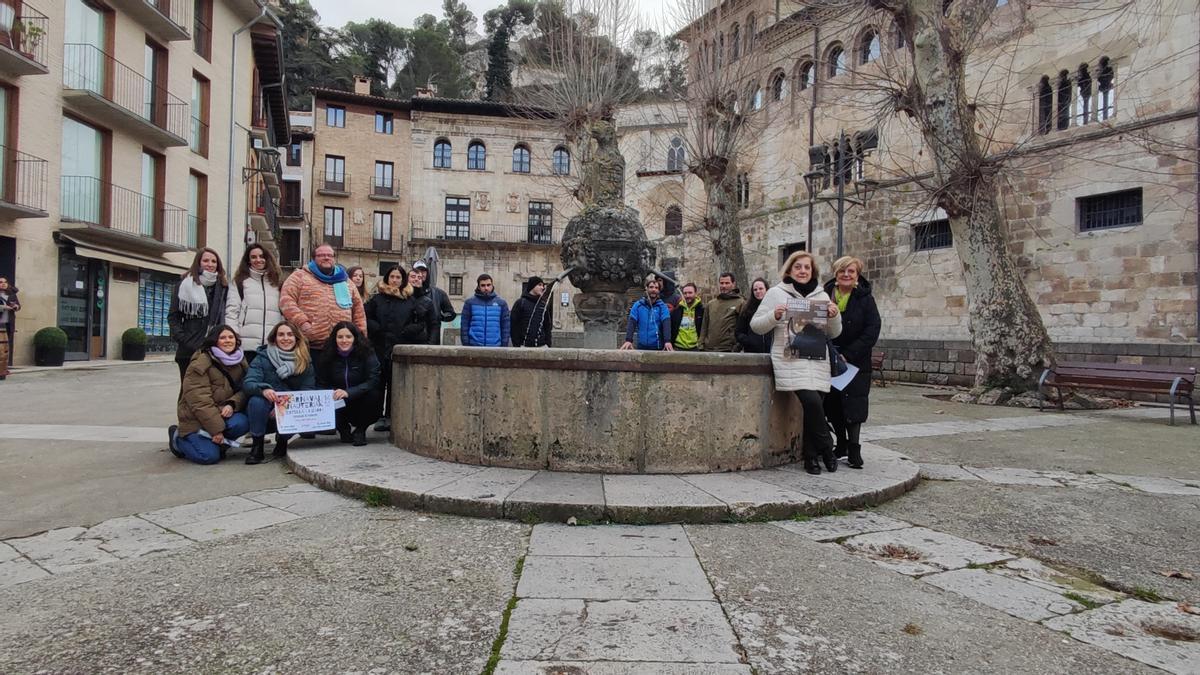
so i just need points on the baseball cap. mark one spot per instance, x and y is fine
(420, 265)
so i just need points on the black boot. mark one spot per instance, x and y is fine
(854, 456)
(256, 451)
(830, 460)
(842, 449)
(344, 434)
(811, 465)
(360, 436)
(280, 450)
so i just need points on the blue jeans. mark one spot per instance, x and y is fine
(259, 411)
(202, 450)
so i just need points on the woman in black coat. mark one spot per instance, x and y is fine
(197, 306)
(351, 370)
(846, 410)
(749, 341)
(400, 313)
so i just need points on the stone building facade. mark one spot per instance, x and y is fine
(1097, 126)
(132, 133)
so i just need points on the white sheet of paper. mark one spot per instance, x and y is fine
(340, 403)
(842, 381)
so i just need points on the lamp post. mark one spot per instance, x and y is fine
(841, 165)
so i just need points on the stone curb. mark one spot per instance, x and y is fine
(647, 499)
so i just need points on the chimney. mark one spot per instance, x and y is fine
(362, 85)
(428, 91)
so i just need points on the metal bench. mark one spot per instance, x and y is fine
(877, 358)
(1178, 382)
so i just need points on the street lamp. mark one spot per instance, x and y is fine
(842, 166)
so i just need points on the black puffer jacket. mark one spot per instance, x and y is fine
(748, 340)
(406, 318)
(860, 332)
(531, 321)
(188, 332)
(356, 373)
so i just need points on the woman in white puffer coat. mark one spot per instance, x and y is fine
(808, 377)
(252, 306)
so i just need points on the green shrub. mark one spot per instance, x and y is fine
(134, 336)
(50, 337)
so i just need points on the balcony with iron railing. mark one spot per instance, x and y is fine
(198, 138)
(531, 233)
(168, 19)
(261, 206)
(22, 184)
(94, 202)
(23, 39)
(384, 190)
(291, 209)
(99, 87)
(333, 183)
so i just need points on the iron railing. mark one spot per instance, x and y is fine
(90, 200)
(530, 233)
(22, 179)
(259, 200)
(196, 225)
(29, 33)
(381, 187)
(291, 210)
(198, 139)
(334, 181)
(177, 11)
(86, 67)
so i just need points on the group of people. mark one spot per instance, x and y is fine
(241, 343)
(760, 324)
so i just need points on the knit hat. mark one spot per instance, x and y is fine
(533, 281)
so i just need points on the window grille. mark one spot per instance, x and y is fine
(1115, 209)
(932, 235)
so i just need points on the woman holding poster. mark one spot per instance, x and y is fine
(351, 370)
(283, 366)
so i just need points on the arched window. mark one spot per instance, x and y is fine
(676, 155)
(868, 47)
(735, 43)
(754, 97)
(743, 190)
(521, 159)
(778, 86)
(804, 75)
(751, 33)
(836, 58)
(562, 161)
(1083, 99)
(477, 156)
(673, 222)
(900, 42)
(1106, 79)
(1062, 108)
(1045, 105)
(441, 154)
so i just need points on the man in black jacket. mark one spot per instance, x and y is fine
(532, 318)
(440, 300)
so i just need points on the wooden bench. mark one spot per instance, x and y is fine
(877, 358)
(1178, 382)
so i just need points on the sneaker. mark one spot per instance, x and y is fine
(172, 433)
(384, 424)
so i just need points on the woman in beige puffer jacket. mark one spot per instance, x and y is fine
(808, 378)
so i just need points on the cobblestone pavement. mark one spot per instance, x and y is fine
(1015, 557)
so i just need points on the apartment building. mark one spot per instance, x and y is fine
(1097, 123)
(485, 185)
(295, 219)
(133, 132)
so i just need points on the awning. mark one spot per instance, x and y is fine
(88, 247)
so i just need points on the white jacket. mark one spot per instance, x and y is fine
(254, 311)
(791, 373)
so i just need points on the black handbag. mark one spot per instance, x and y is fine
(837, 362)
(809, 343)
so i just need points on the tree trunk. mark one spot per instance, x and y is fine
(721, 222)
(1010, 340)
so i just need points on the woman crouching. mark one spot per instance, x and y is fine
(287, 367)
(799, 354)
(351, 370)
(210, 400)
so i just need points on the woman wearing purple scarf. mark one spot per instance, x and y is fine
(209, 405)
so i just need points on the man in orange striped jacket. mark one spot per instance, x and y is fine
(318, 295)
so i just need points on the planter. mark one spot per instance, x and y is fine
(49, 356)
(133, 352)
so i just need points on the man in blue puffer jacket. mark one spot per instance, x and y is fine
(649, 325)
(485, 320)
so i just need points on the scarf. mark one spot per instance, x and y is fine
(804, 288)
(345, 354)
(193, 296)
(337, 279)
(842, 300)
(227, 359)
(401, 292)
(284, 362)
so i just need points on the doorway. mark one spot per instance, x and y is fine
(83, 305)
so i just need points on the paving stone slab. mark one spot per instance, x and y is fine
(1140, 631)
(672, 631)
(133, 537)
(1158, 486)
(19, 571)
(611, 668)
(747, 497)
(1007, 594)
(175, 516)
(659, 499)
(62, 550)
(404, 485)
(917, 551)
(610, 540)
(479, 494)
(556, 495)
(235, 523)
(1038, 574)
(613, 578)
(8, 553)
(829, 528)
(303, 499)
(1002, 476)
(946, 472)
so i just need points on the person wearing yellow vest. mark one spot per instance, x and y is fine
(687, 319)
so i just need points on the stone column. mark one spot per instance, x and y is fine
(602, 314)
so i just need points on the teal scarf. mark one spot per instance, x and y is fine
(339, 281)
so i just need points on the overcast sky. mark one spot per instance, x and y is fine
(335, 13)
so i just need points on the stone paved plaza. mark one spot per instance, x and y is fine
(1034, 542)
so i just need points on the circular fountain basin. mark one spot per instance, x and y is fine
(591, 410)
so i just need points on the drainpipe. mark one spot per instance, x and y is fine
(812, 123)
(233, 129)
(1198, 212)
